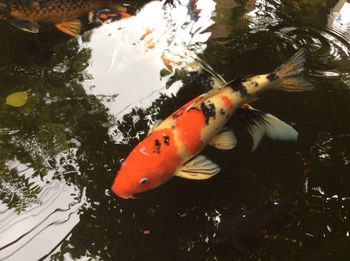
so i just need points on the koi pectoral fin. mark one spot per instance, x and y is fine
(272, 127)
(198, 168)
(72, 27)
(260, 124)
(27, 26)
(224, 140)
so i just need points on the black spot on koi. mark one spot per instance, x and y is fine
(176, 115)
(272, 77)
(222, 111)
(208, 111)
(166, 140)
(157, 145)
(239, 87)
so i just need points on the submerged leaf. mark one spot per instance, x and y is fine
(17, 99)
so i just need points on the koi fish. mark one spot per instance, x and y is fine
(173, 146)
(26, 14)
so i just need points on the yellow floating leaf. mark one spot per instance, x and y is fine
(17, 99)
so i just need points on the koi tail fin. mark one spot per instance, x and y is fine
(289, 74)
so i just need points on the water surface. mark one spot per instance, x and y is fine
(92, 99)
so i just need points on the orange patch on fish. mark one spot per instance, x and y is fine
(189, 126)
(227, 102)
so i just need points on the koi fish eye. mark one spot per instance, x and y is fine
(144, 181)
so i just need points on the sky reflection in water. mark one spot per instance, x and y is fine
(148, 46)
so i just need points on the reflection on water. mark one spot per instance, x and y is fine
(171, 40)
(39, 221)
(330, 200)
(92, 99)
(258, 19)
(339, 19)
(41, 200)
(339, 22)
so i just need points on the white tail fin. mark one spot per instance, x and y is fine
(289, 74)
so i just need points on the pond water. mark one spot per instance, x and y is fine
(92, 99)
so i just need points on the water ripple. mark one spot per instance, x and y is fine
(329, 51)
(37, 231)
(32, 224)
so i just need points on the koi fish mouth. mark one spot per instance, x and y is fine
(126, 196)
(123, 195)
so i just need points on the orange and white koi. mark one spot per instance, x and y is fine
(173, 146)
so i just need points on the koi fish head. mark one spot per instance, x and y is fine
(152, 162)
(134, 178)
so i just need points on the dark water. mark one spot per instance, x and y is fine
(91, 100)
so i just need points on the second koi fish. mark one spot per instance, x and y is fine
(173, 146)
(26, 14)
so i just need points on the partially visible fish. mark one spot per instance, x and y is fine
(233, 229)
(172, 146)
(106, 16)
(26, 14)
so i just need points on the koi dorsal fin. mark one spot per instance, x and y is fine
(217, 80)
(224, 140)
(198, 168)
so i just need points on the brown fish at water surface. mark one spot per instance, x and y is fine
(26, 14)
